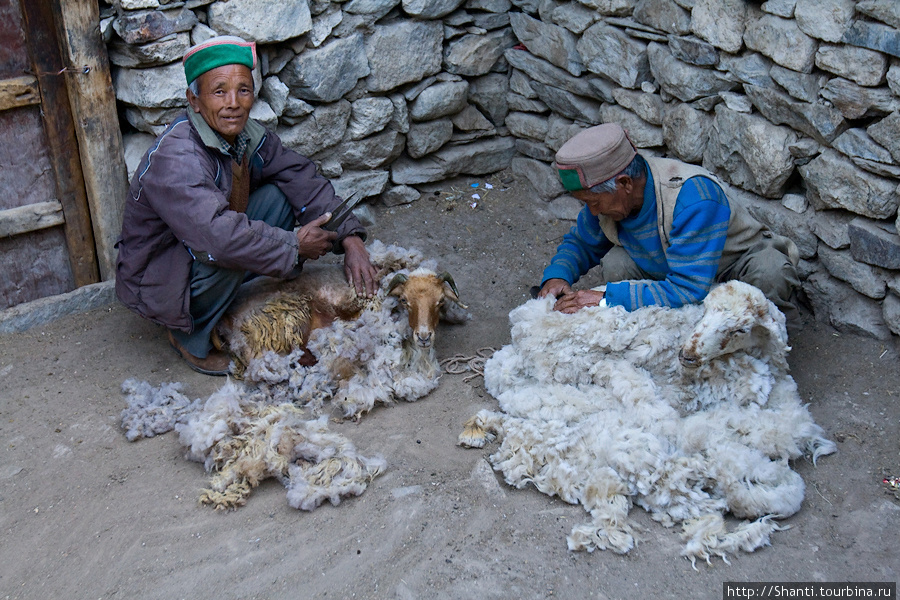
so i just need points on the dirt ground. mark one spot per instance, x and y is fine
(87, 514)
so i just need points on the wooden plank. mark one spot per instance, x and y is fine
(60, 130)
(15, 221)
(97, 126)
(19, 91)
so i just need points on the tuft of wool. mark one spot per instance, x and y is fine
(153, 411)
(597, 408)
(242, 440)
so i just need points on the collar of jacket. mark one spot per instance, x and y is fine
(253, 129)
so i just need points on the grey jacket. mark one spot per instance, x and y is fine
(178, 200)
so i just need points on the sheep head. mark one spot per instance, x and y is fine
(736, 317)
(423, 293)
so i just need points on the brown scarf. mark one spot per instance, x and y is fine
(240, 185)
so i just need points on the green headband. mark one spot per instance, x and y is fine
(571, 178)
(218, 52)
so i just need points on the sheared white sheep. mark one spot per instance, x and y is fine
(689, 413)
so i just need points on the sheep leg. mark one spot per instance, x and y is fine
(480, 429)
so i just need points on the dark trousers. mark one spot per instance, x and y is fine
(213, 288)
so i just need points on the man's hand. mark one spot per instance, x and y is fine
(359, 270)
(313, 241)
(555, 288)
(575, 301)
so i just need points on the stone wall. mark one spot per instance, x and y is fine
(794, 103)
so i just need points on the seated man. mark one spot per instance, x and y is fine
(215, 200)
(663, 231)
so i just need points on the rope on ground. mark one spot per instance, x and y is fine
(456, 365)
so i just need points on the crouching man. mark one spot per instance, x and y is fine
(662, 231)
(216, 199)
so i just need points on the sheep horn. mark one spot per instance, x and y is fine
(399, 279)
(445, 277)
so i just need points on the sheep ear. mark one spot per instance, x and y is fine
(773, 320)
(398, 280)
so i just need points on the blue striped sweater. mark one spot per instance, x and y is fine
(683, 274)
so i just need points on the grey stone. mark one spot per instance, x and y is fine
(856, 143)
(403, 52)
(861, 65)
(400, 194)
(540, 175)
(146, 26)
(861, 277)
(603, 89)
(520, 84)
(550, 42)
(324, 128)
(458, 19)
(752, 68)
(893, 283)
(494, 6)
(893, 77)
(802, 86)
(473, 55)
(527, 6)
(135, 4)
(876, 167)
(276, 93)
(612, 8)
(720, 22)
(489, 94)
(451, 33)
(323, 25)
(527, 125)
(736, 102)
(565, 208)
(481, 157)
(683, 81)
(856, 102)
(874, 243)
(648, 107)
(521, 104)
(874, 36)
(135, 146)
(795, 202)
(826, 20)
(663, 15)
(272, 20)
(327, 73)
(541, 71)
(151, 120)
(891, 313)
(296, 108)
(534, 149)
(831, 226)
(373, 152)
(430, 9)
(491, 21)
(845, 309)
(686, 131)
(816, 120)
(439, 100)
(369, 115)
(560, 130)
(804, 150)
(378, 8)
(609, 52)
(44, 310)
(400, 118)
(364, 183)
(693, 51)
(779, 220)
(833, 182)
(887, 133)
(568, 104)
(263, 113)
(642, 133)
(471, 119)
(886, 11)
(277, 60)
(782, 41)
(425, 138)
(750, 152)
(155, 53)
(156, 87)
(574, 16)
(780, 8)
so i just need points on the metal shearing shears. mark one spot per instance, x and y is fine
(340, 214)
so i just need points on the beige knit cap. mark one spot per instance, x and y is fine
(593, 156)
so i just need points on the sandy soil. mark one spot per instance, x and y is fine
(87, 514)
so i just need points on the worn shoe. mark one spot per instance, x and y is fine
(216, 363)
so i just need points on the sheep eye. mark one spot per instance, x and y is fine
(404, 302)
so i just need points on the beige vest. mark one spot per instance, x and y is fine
(743, 230)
